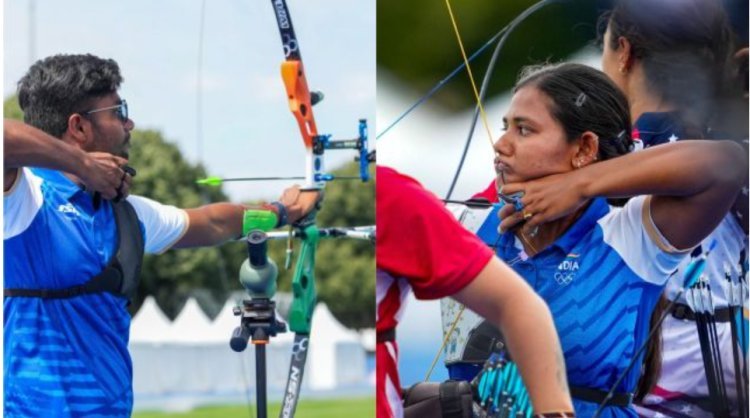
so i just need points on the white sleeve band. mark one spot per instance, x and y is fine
(630, 231)
(21, 203)
(164, 224)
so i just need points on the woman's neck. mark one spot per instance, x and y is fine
(641, 105)
(546, 234)
(642, 99)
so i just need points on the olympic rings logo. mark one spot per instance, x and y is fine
(564, 279)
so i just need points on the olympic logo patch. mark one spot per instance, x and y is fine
(567, 270)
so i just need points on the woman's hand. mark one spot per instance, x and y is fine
(544, 200)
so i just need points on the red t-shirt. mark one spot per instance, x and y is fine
(420, 246)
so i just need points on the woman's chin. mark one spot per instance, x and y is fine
(499, 180)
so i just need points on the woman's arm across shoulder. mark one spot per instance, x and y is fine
(693, 184)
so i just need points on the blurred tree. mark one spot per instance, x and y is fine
(422, 29)
(11, 109)
(165, 176)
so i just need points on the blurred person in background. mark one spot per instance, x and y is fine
(678, 66)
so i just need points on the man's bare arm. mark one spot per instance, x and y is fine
(219, 222)
(26, 146)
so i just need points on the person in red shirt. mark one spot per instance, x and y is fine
(421, 246)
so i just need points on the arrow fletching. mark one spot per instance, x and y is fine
(210, 181)
(695, 268)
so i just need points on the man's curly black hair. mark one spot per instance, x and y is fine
(58, 86)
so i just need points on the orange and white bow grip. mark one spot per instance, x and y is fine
(293, 74)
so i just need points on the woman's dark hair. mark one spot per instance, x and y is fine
(584, 99)
(651, 367)
(686, 50)
(60, 85)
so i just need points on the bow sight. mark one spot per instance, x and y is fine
(324, 142)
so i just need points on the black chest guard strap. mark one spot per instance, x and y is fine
(119, 277)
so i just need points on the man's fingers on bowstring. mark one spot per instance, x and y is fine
(108, 159)
(121, 183)
(120, 161)
(104, 171)
(118, 191)
(124, 189)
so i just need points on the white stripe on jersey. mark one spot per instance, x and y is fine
(21, 203)
(392, 392)
(383, 284)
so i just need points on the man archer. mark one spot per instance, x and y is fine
(74, 240)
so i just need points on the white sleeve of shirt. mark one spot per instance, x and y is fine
(164, 224)
(631, 232)
(21, 203)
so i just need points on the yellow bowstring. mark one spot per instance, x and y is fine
(445, 342)
(492, 144)
(471, 76)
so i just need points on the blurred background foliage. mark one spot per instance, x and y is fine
(405, 27)
(345, 269)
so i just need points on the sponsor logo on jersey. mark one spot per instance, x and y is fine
(68, 209)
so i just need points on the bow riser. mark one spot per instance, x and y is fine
(298, 94)
(300, 102)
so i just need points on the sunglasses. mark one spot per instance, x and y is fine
(122, 110)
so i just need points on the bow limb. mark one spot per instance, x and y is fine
(299, 96)
(303, 282)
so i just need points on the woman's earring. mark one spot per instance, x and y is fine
(623, 70)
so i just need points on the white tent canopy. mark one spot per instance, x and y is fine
(190, 326)
(180, 364)
(149, 325)
(335, 348)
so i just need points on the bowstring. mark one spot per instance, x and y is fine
(471, 75)
(480, 108)
(492, 145)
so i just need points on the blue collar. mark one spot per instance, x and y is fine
(62, 184)
(657, 123)
(568, 240)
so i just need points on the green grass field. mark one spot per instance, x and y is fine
(341, 408)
